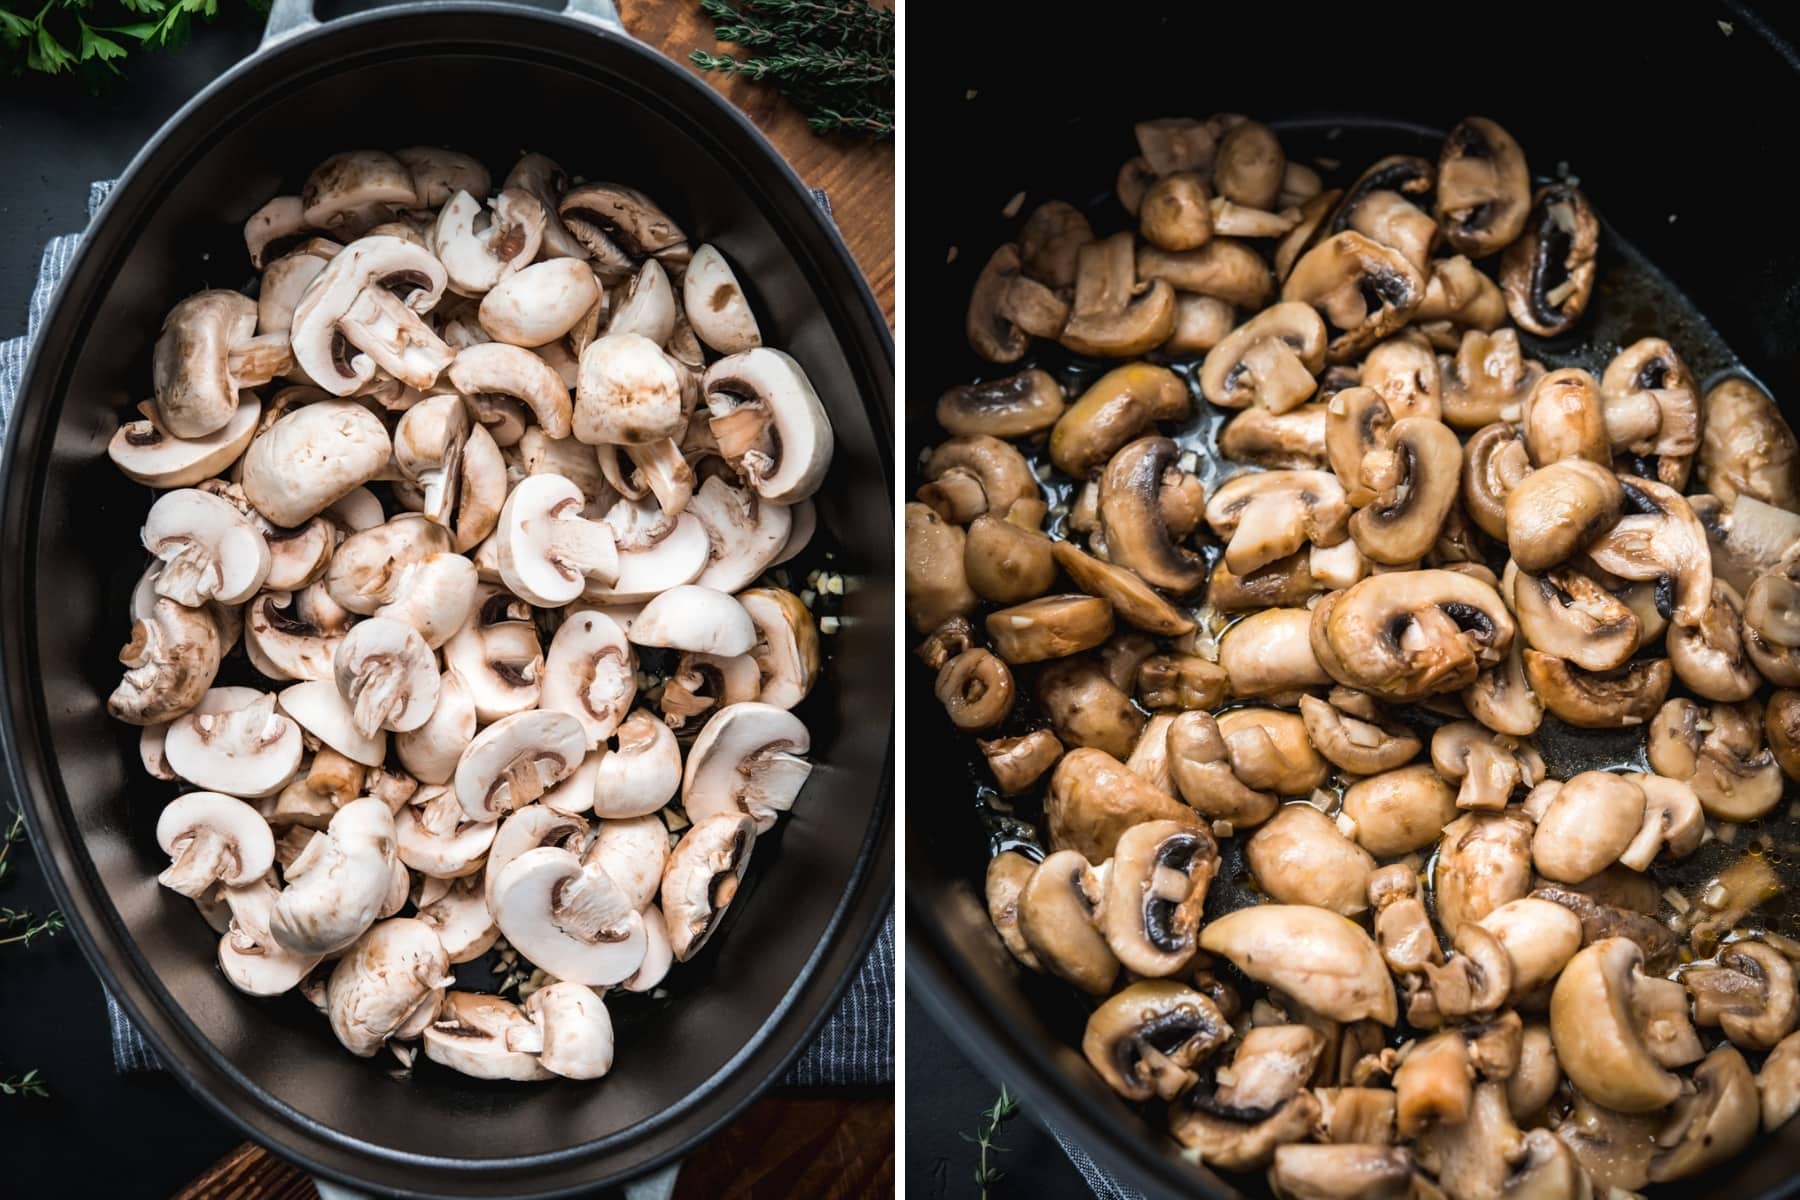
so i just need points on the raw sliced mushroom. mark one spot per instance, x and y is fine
(212, 839)
(393, 978)
(146, 453)
(746, 760)
(209, 550)
(241, 749)
(475, 260)
(769, 422)
(483, 1037)
(702, 878)
(339, 884)
(641, 774)
(568, 917)
(515, 760)
(388, 676)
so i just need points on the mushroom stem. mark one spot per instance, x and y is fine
(590, 906)
(376, 694)
(204, 858)
(394, 337)
(525, 780)
(578, 546)
(190, 574)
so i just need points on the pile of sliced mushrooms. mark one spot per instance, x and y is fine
(453, 462)
(1314, 667)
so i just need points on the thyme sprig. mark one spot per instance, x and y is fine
(48, 925)
(1004, 1108)
(28, 1084)
(833, 58)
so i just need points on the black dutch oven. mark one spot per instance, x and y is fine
(1666, 115)
(490, 79)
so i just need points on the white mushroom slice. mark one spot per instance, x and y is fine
(151, 744)
(209, 550)
(527, 829)
(498, 655)
(747, 533)
(349, 192)
(543, 178)
(647, 570)
(144, 453)
(661, 470)
(392, 337)
(249, 955)
(435, 597)
(388, 676)
(701, 681)
(297, 557)
(769, 423)
(477, 259)
(338, 886)
(702, 878)
(573, 460)
(436, 838)
(243, 750)
(632, 852)
(690, 617)
(547, 549)
(540, 303)
(169, 662)
(715, 304)
(658, 957)
(628, 393)
(322, 711)
(428, 449)
(353, 301)
(284, 283)
(212, 839)
(311, 457)
(390, 980)
(483, 492)
(575, 794)
(356, 510)
(648, 307)
(398, 893)
(294, 637)
(497, 369)
(439, 174)
(590, 672)
(282, 217)
(569, 919)
(462, 921)
(787, 645)
(746, 760)
(474, 1035)
(806, 521)
(643, 773)
(196, 392)
(575, 1032)
(432, 750)
(515, 760)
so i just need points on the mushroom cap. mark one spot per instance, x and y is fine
(702, 878)
(1746, 448)
(747, 533)
(323, 712)
(537, 304)
(208, 548)
(1268, 515)
(431, 751)
(146, 454)
(787, 645)
(1713, 1124)
(1270, 652)
(170, 661)
(1014, 406)
(1352, 744)
(311, 457)
(516, 759)
(715, 303)
(1483, 861)
(1540, 936)
(476, 260)
(434, 837)
(571, 920)
(1340, 274)
(1059, 908)
(339, 884)
(1268, 749)
(241, 747)
(1399, 811)
(355, 298)
(1483, 187)
(249, 956)
(388, 676)
(577, 1031)
(1270, 361)
(632, 851)
(1310, 952)
(1121, 405)
(1422, 461)
(787, 458)
(484, 1037)
(1137, 532)
(590, 673)
(1547, 273)
(1300, 857)
(747, 759)
(547, 549)
(1558, 509)
(213, 839)
(355, 189)
(691, 617)
(195, 392)
(643, 773)
(391, 980)
(1594, 1021)
(1591, 820)
(646, 569)
(1749, 993)
(1565, 613)
(462, 921)
(1406, 634)
(629, 393)
(1350, 1171)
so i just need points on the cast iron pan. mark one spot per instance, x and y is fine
(492, 80)
(1032, 106)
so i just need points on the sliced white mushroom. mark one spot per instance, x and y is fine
(282, 217)
(475, 1035)
(569, 919)
(297, 557)
(806, 520)
(547, 550)
(540, 303)
(247, 749)
(576, 1033)
(339, 885)
(393, 979)
(432, 750)
(702, 878)
(499, 369)
(747, 760)
(435, 837)
(632, 851)
(434, 596)
(323, 712)
(209, 550)
(528, 828)
(169, 662)
(462, 921)
(649, 566)
(769, 423)
(787, 645)
(690, 617)
(715, 304)
(590, 672)
(212, 839)
(284, 283)
(428, 449)
(312, 457)
(642, 774)
(475, 259)
(388, 676)
(515, 760)
(498, 655)
(648, 306)
(354, 300)
(144, 452)
(658, 957)
(747, 533)
(575, 794)
(294, 637)
(628, 393)
(439, 174)
(249, 955)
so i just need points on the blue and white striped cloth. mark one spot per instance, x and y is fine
(856, 1045)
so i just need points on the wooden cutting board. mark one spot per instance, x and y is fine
(805, 1145)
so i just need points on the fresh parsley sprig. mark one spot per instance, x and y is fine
(95, 36)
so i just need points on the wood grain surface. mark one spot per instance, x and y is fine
(804, 1145)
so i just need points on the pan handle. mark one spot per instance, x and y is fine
(290, 17)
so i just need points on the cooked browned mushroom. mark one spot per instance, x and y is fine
(1180, 681)
(1170, 144)
(1584, 824)
(1132, 599)
(1364, 289)
(1403, 931)
(1349, 1170)
(1501, 697)
(1121, 405)
(1719, 750)
(1225, 269)
(1555, 511)
(1094, 799)
(1539, 938)
(1489, 765)
(1673, 821)
(1458, 298)
(1058, 912)
(1713, 1123)
(1269, 653)
(1652, 408)
(1266, 515)
(1006, 561)
(1483, 187)
(1145, 1041)
(1564, 418)
(1414, 480)
(945, 642)
(1404, 372)
(1087, 708)
(1399, 811)
(1200, 763)
(1155, 891)
(1269, 750)
(1175, 213)
(1483, 861)
(1201, 322)
(1011, 407)
(1779, 1083)
(1300, 857)
(1313, 214)
(990, 334)
(976, 689)
(1271, 360)
(1019, 762)
(1361, 747)
(1307, 951)
(1781, 721)
(1563, 612)
(1619, 1031)
(1488, 380)
(1132, 521)
(1494, 461)
(1548, 272)
(1293, 439)
(1248, 166)
(1049, 627)
(1711, 657)
(971, 474)
(937, 588)
(1007, 874)
(1434, 1083)
(1746, 449)
(1659, 538)
(1407, 634)
(1748, 992)
(1615, 699)
(1049, 240)
(1111, 316)
(1770, 630)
